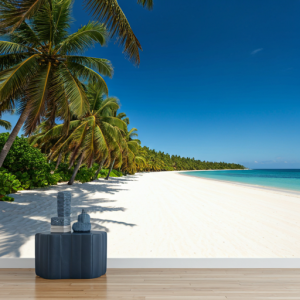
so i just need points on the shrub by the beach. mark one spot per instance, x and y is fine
(117, 173)
(28, 164)
(86, 174)
(8, 184)
(114, 173)
(64, 172)
(7, 198)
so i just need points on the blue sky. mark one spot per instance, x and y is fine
(219, 80)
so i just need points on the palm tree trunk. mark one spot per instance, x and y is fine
(58, 160)
(110, 168)
(13, 135)
(71, 165)
(76, 170)
(99, 169)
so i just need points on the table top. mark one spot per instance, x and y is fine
(72, 233)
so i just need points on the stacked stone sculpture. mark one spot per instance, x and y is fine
(83, 224)
(62, 223)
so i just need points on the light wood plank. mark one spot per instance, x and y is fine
(154, 284)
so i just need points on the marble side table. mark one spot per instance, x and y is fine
(71, 255)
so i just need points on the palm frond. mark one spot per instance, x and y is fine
(87, 74)
(52, 21)
(140, 159)
(146, 3)
(132, 133)
(74, 92)
(75, 138)
(85, 38)
(133, 146)
(111, 103)
(43, 23)
(121, 115)
(7, 47)
(5, 124)
(115, 122)
(10, 60)
(14, 12)
(94, 143)
(62, 19)
(96, 94)
(58, 130)
(13, 79)
(25, 35)
(59, 106)
(102, 66)
(109, 12)
(37, 93)
(126, 120)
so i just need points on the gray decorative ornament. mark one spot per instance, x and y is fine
(64, 204)
(62, 223)
(83, 224)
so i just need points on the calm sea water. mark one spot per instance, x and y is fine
(282, 179)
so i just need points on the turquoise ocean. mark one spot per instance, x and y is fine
(281, 179)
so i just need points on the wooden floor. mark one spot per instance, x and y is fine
(153, 284)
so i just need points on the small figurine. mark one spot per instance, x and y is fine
(83, 224)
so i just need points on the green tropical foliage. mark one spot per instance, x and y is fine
(84, 174)
(160, 161)
(42, 67)
(28, 164)
(8, 184)
(16, 13)
(133, 157)
(5, 124)
(94, 137)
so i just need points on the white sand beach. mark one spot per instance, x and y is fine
(164, 214)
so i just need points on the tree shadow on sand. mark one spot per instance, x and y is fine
(32, 210)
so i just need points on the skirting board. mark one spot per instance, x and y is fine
(129, 263)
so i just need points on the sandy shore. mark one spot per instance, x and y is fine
(164, 214)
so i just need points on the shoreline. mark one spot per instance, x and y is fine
(264, 187)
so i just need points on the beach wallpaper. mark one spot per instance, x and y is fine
(174, 125)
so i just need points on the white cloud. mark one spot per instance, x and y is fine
(256, 51)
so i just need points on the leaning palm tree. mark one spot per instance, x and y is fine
(15, 12)
(41, 67)
(5, 124)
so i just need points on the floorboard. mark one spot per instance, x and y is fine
(154, 284)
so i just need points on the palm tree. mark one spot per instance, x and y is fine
(91, 138)
(134, 156)
(140, 159)
(5, 124)
(41, 68)
(15, 12)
